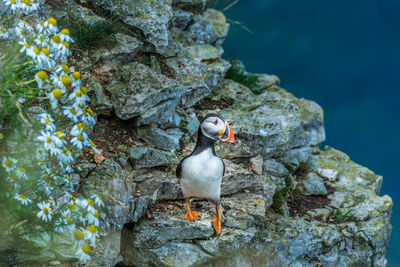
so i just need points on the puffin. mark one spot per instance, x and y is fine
(201, 172)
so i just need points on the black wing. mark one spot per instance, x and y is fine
(179, 168)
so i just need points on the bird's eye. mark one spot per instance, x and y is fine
(215, 122)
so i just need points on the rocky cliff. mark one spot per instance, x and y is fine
(286, 202)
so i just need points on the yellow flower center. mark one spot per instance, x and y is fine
(76, 75)
(48, 139)
(65, 31)
(86, 249)
(81, 126)
(84, 90)
(92, 143)
(68, 177)
(26, 2)
(42, 75)
(65, 44)
(12, 2)
(3, 30)
(96, 214)
(52, 21)
(92, 229)
(22, 32)
(47, 120)
(69, 220)
(57, 93)
(26, 45)
(22, 169)
(73, 111)
(45, 210)
(78, 235)
(71, 206)
(66, 80)
(56, 38)
(45, 51)
(22, 197)
(90, 111)
(60, 135)
(8, 163)
(25, 22)
(64, 68)
(90, 202)
(36, 50)
(80, 137)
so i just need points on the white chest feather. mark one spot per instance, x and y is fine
(202, 175)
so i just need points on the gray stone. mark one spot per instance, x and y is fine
(203, 52)
(161, 187)
(314, 185)
(151, 17)
(121, 53)
(145, 157)
(275, 168)
(181, 19)
(193, 124)
(256, 164)
(196, 6)
(135, 88)
(99, 101)
(167, 140)
(163, 114)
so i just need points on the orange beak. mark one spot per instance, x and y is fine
(228, 135)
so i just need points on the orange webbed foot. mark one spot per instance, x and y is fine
(192, 216)
(216, 223)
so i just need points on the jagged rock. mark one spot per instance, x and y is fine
(181, 19)
(314, 185)
(146, 157)
(163, 114)
(275, 168)
(210, 27)
(328, 174)
(99, 101)
(256, 164)
(203, 52)
(121, 53)
(135, 88)
(193, 124)
(167, 140)
(161, 186)
(152, 17)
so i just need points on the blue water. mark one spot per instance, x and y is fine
(345, 56)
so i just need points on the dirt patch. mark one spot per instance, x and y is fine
(299, 203)
(210, 104)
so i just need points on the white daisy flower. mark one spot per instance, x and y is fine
(83, 253)
(97, 200)
(62, 69)
(50, 26)
(33, 52)
(9, 164)
(23, 199)
(45, 212)
(21, 173)
(88, 117)
(25, 46)
(40, 26)
(41, 77)
(12, 4)
(65, 36)
(20, 33)
(47, 120)
(78, 97)
(44, 59)
(41, 41)
(91, 233)
(93, 218)
(79, 141)
(49, 145)
(72, 113)
(3, 33)
(58, 139)
(56, 81)
(75, 79)
(78, 129)
(65, 157)
(55, 96)
(22, 24)
(64, 49)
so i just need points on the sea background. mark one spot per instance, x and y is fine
(345, 56)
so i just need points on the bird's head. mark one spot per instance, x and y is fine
(215, 126)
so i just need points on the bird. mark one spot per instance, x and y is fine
(201, 172)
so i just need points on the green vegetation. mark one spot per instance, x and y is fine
(238, 74)
(92, 35)
(338, 216)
